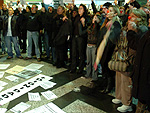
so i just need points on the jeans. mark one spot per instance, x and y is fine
(91, 56)
(8, 42)
(35, 36)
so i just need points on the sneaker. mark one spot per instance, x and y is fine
(124, 108)
(116, 101)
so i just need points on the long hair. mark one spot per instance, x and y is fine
(85, 10)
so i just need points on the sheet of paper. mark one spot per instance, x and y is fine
(2, 74)
(48, 108)
(34, 96)
(4, 66)
(28, 73)
(49, 95)
(19, 108)
(47, 84)
(33, 66)
(3, 110)
(16, 69)
(1, 88)
(12, 78)
(3, 83)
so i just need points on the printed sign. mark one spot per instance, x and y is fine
(20, 89)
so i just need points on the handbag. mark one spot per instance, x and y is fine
(123, 57)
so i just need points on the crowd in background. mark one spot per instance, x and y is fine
(93, 40)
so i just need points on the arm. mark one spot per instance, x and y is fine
(102, 47)
(94, 7)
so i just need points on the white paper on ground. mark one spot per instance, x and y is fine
(48, 108)
(3, 110)
(12, 78)
(3, 83)
(2, 74)
(4, 66)
(33, 66)
(16, 69)
(47, 84)
(19, 108)
(49, 95)
(1, 88)
(34, 96)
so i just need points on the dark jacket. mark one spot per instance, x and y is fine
(14, 25)
(62, 35)
(33, 21)
(93, 33)
(141, 71)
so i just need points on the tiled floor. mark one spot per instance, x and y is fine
(68, 98)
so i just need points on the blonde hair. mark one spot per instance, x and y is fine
(142, 20)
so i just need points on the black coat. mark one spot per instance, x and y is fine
(141, 72)
(140, 41)
(14, 25)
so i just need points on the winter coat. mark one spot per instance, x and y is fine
(141, 71)
(14, 25)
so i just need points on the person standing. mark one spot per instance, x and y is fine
(33, 28)
(79, 40)
(3, 12)
(10, 32)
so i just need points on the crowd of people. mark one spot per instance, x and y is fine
(94, 39)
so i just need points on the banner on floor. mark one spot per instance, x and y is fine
(20, 89)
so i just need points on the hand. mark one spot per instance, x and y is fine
(115, 2)
(82, 21)
(132, 26)
(95, 66)
(65, 18)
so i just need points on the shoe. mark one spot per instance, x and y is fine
(124, 108)
(116, 101)
(27, 58)
(9, 57)
(20, 57)
(38, 59)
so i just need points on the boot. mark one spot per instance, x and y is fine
(140, 108)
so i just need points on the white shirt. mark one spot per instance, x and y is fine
(9, 32)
